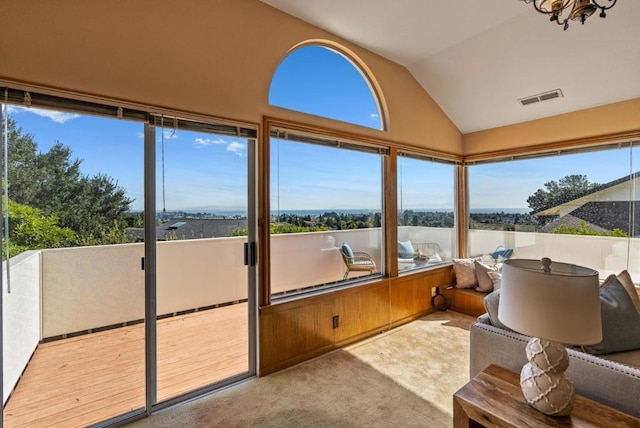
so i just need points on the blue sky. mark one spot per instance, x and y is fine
(205, 172)
(202, 171)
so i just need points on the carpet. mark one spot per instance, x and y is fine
(404, 377)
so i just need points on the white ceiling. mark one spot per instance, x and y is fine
(477, 58)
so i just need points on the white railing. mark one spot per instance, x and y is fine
(20, 316)
(605, 254)
(60, 291)
(89, 287)
(300, 260)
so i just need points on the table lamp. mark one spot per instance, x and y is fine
(557, 304)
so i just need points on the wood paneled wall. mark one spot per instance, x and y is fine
(292, 332)
(411, 295)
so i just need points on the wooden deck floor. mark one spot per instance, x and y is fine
(86, 379)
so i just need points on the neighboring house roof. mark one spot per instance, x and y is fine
(569, 221)
(191, 228)
(604, 208)
(613, 191)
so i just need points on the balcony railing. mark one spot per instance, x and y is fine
(605, 254)
(58, 292)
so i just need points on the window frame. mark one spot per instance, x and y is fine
(280, 128)
(358, 64)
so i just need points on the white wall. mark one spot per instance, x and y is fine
(20, 316)
(605, 254)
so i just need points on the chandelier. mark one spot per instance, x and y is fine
(580, 9)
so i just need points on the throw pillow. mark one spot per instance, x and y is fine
(627, 283)
(485, 283)
(491, 304)
(496, 277)
(405, 250)
(502, 253)
(607, 281)
(465, 271)
(346, 249)
(620, 320)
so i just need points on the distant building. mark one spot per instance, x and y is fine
(191, 228)
(613, 205)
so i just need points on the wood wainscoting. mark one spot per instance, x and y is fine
(466, 300)
(296, 331)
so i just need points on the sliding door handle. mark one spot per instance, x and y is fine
(250, 254)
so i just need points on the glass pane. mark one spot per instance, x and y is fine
(572, 208)
(426, 234)
(321, 198)
(617, 256)
(323, 82)
(76, 299)
(201, 278)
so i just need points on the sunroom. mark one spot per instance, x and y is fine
(177, 101)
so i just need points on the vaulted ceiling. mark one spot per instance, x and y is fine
(478, 58)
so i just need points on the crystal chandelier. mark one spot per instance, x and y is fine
(580, 9)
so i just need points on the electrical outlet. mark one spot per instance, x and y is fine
(336, 321)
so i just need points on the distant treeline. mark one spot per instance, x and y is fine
(332, 220)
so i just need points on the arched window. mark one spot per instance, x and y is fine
(324, 82)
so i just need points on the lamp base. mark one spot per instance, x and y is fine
(543, 382)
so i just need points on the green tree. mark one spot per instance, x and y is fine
(29, 229)
(583, 229)
(559, 192)
(278, 228)
(52, 182)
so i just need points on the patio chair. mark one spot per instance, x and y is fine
(356, 261)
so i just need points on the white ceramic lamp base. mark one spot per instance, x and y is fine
(543, 382)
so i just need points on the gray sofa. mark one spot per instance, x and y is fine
(612, 379)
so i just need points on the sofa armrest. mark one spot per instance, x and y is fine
(493, 345)
(608, 382)
(484, 319)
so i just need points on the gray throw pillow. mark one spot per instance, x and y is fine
(485, 282)
(620, 320)
(496, 277)
(627, 283)
(491, 304)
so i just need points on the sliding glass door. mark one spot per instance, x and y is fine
(129, 270)
(73, 289)
(202, 229)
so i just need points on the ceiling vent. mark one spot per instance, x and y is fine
(545, 96)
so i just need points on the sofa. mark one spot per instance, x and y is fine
(611, 379)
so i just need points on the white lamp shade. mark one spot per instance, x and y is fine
(562, 305)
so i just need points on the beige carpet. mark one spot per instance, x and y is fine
(402, 378)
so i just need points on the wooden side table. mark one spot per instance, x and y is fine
(494, 399)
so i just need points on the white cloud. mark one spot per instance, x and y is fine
(236, 148)
(56, 116)
(373, 116)
(140, 134)
(204, 142)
